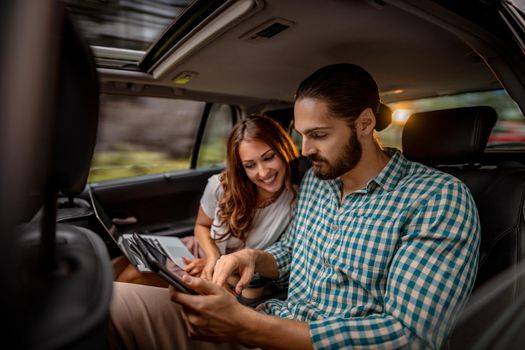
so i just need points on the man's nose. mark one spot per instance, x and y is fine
(306, 148)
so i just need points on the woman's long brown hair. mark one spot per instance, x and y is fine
(239, 202)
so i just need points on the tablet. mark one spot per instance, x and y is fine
(161, 264)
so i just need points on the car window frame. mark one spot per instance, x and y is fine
(202, 129)
(197, 139)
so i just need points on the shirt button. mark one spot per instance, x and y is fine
(335, 227)
(325, 264)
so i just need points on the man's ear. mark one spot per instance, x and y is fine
(366, 122)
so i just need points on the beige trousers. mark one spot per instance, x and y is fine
(143, 317)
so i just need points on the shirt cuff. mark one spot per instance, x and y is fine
(282, 259)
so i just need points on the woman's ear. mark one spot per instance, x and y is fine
(366, 122)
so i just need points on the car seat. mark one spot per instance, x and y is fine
(453, 140)
(63, 275)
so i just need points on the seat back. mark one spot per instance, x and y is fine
(454, 140)
(63, 272)
(499, 194)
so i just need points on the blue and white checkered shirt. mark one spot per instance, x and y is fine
(387, 267)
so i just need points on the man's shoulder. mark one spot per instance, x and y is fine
(432, 179)
(310, 179)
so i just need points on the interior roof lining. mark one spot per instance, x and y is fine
(274, 75)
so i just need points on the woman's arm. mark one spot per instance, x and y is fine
(202, 235)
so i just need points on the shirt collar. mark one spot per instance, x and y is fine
(392, 173)
(388, 177)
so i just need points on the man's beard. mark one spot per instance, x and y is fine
(347, 160)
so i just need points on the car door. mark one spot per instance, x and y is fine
(153, 158)
(512, 12)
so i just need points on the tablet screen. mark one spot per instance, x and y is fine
(163, 265)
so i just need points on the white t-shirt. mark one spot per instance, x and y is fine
(268, 223)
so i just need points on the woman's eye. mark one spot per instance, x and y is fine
(248, 166)
(269, 157)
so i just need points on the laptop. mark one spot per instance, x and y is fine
(172, 246)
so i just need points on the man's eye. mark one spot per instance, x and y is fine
(317, 135)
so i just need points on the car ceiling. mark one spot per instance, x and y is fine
(399, 48)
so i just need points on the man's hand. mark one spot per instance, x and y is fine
(215, 315)
(242, 261)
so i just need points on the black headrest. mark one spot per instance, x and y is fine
(283, 116)
(76, 120)
(383, 117)
(448, 136)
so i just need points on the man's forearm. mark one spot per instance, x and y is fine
(265, 264)
(271, 332)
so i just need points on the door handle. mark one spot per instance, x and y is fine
(130, 220)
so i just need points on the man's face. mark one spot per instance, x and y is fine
(330, 143)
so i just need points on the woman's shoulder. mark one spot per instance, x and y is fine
(214, 185)
(215, 179)
(284, 200)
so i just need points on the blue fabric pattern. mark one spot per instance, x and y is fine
(389, 266)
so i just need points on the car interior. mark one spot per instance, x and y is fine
(72, 88)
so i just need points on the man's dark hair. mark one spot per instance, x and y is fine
(348, 89)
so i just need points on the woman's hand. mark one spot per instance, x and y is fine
(242, 261)
(202, 268)
(194, 267)
(207, 271)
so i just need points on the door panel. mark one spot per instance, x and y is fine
(153, 159)
(165, 204)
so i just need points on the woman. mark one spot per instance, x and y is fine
(248, 204)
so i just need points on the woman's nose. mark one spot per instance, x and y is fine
(263, 170)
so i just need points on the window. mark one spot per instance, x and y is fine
(144, 135)
(509, 130)
(212, 151)
(125, 24)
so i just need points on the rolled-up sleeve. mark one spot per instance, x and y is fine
(282, 252)
(210, 197)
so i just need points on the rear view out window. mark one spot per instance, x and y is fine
(212, 151)
(509, 131)
(144, 135)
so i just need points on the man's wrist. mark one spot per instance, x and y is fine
(250, 327)
(265, 264)
(266, 331)
(255, 256)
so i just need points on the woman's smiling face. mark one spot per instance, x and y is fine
(263, 166)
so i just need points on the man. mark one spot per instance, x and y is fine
(381, 252)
